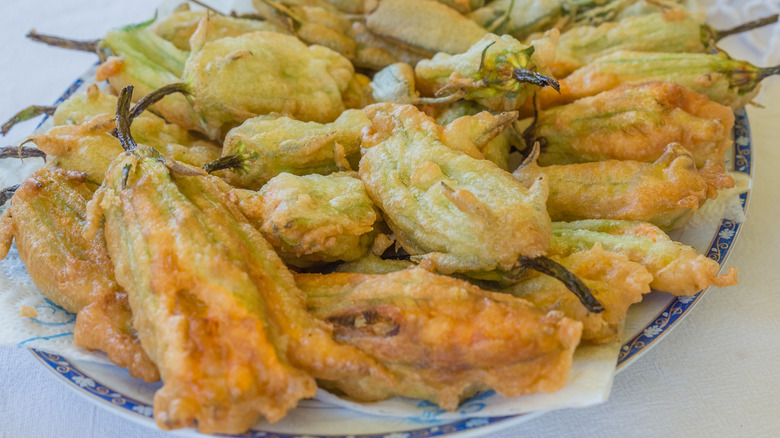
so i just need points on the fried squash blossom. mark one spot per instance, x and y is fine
(452, 212)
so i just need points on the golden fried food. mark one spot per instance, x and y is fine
(636, 122)
(141, 58)
(179, 26)
(82, 107)
(676, 268)
(358, 93)
(375, 52)
(313, 24)
(276, 73)
(90, 147)
(521, 18)
(425, 25)
(669, 31)
(274, 144)
(348, 6)
(502, 17)
(315, 219)
(448, 112)
(477, 132)
(144, 58)
(482, 136)
(665, 192)
(233, 79)
(170, 139)
(179, 274)
(722, 79)
(462, 6)
(443, 338)
(395, 84)
(86, 148)
(52, 190)
(132, 55)
(46, 216)
(319, 22)
(215, 307)
(497, 72)
(328, 5)
(195, 297)
(424, 187)
(614, 280)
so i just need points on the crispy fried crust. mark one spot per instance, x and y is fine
(636, 122)
(179, 26)
(199, 313)
(443, 338)
(423, 187)
(613, 279)
(676, 268)
(235, 78)
(214, 305)
(372, 264)
(665, 192)
(722, 79)
(274, 144)
(668, 31)
(46, 218)
(429, 26)
(316, 219)
(81, 139)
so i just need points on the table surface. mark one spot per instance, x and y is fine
(716, 374)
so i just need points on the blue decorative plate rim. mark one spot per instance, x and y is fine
(673, 313)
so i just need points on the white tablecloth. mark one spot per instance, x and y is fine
(716, 374)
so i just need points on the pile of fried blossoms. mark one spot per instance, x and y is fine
(419, 198)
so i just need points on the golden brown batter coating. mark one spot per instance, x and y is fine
(274, 144)
(46, 217)
(81, 139)
(214, 306)
(90, 147)
(424, 25)
(235, 78)
(614, 280)
(665, 192)
(676, 268)
(521, 18)
(443, 338)
(636, 122)
(669, 31)
(179, 26)
(722, 79)
(373, 264)
(141, 58)
(483, 135)
(315, 219)
(423, 187)
(147, 128)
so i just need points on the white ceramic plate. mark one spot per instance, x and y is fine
(111, 387)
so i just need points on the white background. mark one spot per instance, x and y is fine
(716, 374)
